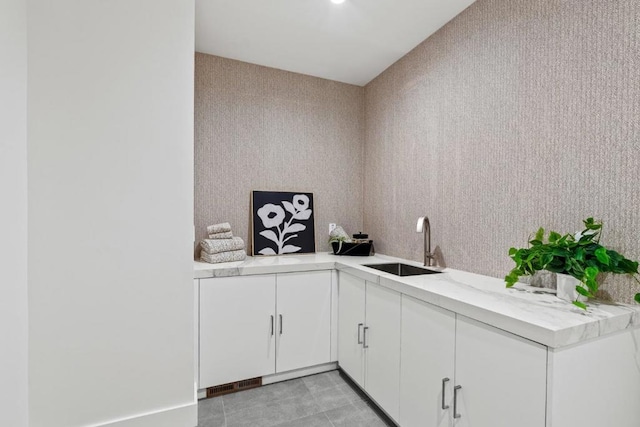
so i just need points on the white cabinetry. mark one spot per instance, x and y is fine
(381, 342)
(237, 327)
(304, 320)
(253, 326)
(596, 383)
(369, 339)
(457, 370)
(351, 311)
(427, 364)
(503, 377)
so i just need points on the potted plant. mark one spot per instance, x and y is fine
(580, 256)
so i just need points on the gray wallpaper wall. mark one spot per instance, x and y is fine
(259, 128)
(517, 114)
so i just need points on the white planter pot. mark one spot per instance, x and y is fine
(566, 288)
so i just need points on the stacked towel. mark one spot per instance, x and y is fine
(223, 256)
(221, 246)
(215, 246)
(220, 231)
(221, 236)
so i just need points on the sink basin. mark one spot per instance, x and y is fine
(400, 269)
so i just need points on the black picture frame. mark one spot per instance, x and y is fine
(282, 223)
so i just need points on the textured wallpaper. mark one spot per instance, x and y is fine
(517, 114)
(259, 128)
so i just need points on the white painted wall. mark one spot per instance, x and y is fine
(13, 213)
(110, 95)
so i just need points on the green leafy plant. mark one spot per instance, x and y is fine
(581, 256)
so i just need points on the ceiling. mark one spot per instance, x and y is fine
(352, 42)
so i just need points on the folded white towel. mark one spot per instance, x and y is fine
(223, 235)
(223, 256)
(215, 246)
(223, 227)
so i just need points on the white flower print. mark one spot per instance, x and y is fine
(271, 215)
(301, 202)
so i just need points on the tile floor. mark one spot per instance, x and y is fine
(322, 400)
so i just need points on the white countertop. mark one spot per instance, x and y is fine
(532, 313)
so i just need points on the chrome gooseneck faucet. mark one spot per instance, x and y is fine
(424, 227)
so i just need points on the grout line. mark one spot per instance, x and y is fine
(329, 419)
(224, 413)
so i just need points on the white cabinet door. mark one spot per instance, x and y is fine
(351, 301)
(426, 364)
(382, 347)
(303, 306)
(237, 325)
(502, 376)
(596, 383)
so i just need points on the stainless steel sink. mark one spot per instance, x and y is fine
(400, 269)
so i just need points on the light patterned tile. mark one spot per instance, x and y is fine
(274, 413)
(211, 413)
(345, 416)
(316, 420)
(264, 395)
(330, 398)
(320, 381)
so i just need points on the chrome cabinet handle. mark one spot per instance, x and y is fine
(444, 382)
(455, 401)
(281, 324)
(364, 339)
(272, 325)
(360, 325)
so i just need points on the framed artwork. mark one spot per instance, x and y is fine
(282, 223)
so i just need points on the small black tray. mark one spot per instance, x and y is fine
(353, 249)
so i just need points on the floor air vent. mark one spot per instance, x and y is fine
(221, 389)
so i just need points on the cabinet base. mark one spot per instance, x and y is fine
(284, 376)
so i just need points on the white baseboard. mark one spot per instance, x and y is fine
(179, 416)
(284, 376)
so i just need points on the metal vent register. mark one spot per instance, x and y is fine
(221, 389)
